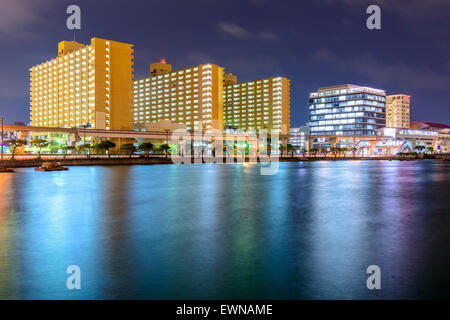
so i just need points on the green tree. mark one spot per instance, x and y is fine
(105, 146)
(146, 147)
(334, 151)
(39, 143)
(344, 150)
(66, 149)
(282, 148)
(313, 151)
(324, 151)
(419, 148)
(86, 149)
(291, 149)
(165, 148)
(430, 149)
(128, 148)
(13, 145)
(302, 150)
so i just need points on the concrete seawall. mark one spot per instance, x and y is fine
(160, 160)
(85, 162)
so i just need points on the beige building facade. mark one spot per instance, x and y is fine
(191, 96)
(398, 111)
(85, 85)
(260, 104)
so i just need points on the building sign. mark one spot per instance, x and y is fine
(411, 132)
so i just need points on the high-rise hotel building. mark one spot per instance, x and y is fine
(191, 96)
(260, 104)
(84, 85)
(397, 111)
(204, 96)
(347, 110)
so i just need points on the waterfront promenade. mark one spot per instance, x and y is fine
(95, 160)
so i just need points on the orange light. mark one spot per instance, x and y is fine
(163, 60)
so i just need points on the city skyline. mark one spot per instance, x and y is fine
(248, 48)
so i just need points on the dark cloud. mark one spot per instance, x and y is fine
(414, 77)
(17, 17)
(234, 30)
(237, 31)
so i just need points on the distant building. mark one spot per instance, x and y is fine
(347, 110)
(299, 137)
(398, 111)
(260, 104)
(398, 140)
(92, 86)
(442, 128)
(84, 84)
(206, 97)
(192, 96)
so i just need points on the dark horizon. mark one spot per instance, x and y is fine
(314, 44)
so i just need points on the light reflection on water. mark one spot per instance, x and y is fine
(225, 231)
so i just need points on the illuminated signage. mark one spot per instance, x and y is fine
(411, 132)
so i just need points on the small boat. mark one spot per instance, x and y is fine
(6, 170)
(49, 166)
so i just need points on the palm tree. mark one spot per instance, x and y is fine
(165, 147)
(282, 148)
(334, 151)
(419, 148)
(313, 151)
(66, 149)
(146, 147)
(129, 148)
(39, 143)
(303, 151)
(344, 150)
(106, 145)
(13, 145)
(86, 148)
(291, 149)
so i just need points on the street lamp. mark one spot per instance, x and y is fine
(84, 126)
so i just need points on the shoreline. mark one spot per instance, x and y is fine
(159, 160)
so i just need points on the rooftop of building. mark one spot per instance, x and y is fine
(421, 124)
(345, 88)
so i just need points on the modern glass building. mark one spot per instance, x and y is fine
(298, 137)
(347, 110)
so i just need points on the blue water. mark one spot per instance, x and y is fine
(225, 231)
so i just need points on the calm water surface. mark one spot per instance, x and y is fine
(225, 231)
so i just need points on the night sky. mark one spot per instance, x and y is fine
(314, 43)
